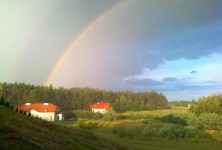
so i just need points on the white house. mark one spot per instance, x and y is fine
(101, 107)
(45, 111)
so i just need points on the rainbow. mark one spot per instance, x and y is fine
(78, 38)
(31, 33)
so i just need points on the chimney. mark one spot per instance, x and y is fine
(46, 104)
(27, 104)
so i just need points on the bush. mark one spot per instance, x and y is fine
(87, 114)
(110, 116)
(150, 132)
(173, 119)
(176, 132)
(126, 130)
(87, 125)
(2, 101)
(7, 104)
(69, 114)
(208, 121)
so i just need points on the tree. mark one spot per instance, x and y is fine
(111, 116)
(2, 101)
(81, 98)
(207, 105)
(7, 104)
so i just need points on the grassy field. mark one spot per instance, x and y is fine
(158, 112)
(142, 130)
(138, 131)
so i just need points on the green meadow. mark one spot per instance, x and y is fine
(151, 130)
(134, 130)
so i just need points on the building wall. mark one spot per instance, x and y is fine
(99, 110)
(49, 116)
(60, 117)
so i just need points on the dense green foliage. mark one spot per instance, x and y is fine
(81, 98)
(148, 131)
(171, 118)
(2, 100)
(207, 105)
(211, 121)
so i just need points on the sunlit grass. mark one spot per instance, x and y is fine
(158, 112)
(131, 132)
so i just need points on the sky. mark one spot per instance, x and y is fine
(170, 46)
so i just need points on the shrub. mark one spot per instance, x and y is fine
(110, 116)
(69, 114)
(7, 104)
(208, 121)
(129, 130)
(173, 119)
(2, 101)
(150, 132)
(87, 114)
(175, 132)
(87, 125)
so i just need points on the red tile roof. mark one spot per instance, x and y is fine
(102, 105)
(40, 107)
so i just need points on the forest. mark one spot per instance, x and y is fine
(69, 99)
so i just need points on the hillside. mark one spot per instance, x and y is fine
(18, 131)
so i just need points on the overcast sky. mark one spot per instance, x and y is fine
(170, 46)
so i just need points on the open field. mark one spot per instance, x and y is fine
(158, 112)
(150, 132)
(18, 131)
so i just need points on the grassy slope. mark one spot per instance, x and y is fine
(18, 131)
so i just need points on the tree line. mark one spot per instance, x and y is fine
(207, 105)
(80, 98)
